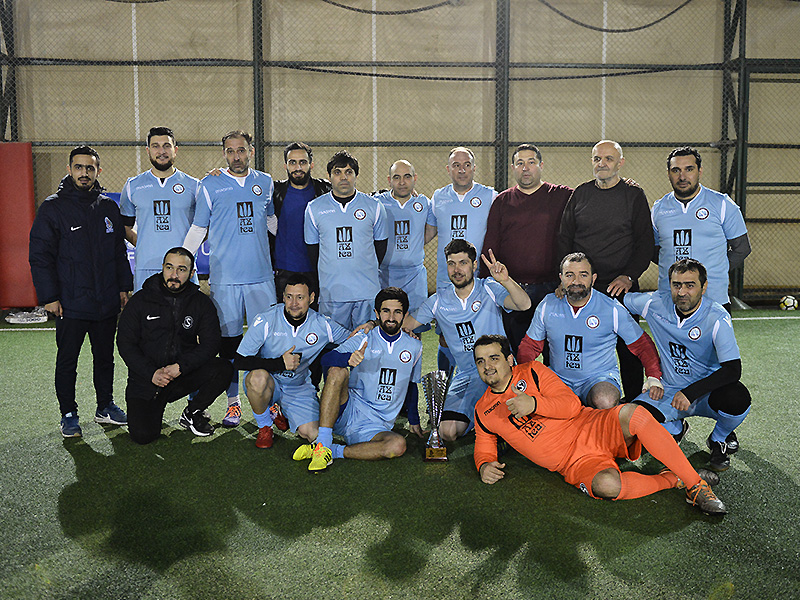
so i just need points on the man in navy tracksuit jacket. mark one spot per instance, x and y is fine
(81, 273)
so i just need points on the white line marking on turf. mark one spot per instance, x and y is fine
(29, 329)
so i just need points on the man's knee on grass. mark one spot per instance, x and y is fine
(607, 484)
(603, 395)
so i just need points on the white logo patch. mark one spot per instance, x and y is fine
(592, 322)
(417, 206)
(405, 356)
(476, 306)
(153, 318)
(695, 333)
(475, 202)
(311, 338)
(521, 385)
(360, 214)
(178, 188)
(257, 190)
(188, 321)
(702, 213)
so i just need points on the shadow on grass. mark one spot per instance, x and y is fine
(178, 497)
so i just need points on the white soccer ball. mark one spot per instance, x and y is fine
(788, 303)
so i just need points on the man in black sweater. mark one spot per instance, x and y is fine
(169, 336)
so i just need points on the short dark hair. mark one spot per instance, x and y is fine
(160, 131)
(238, 133)
(299, 279)
(81, 150)
(391, 293)
(530, 147)
(488, 340)
(297, 146)
(575, 257)
(684, 151)
(458, 245)
(688, 264)
(180, 251)
(343, 159)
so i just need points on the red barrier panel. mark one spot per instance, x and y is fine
(17, 210)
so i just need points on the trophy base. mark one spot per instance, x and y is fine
(435, 454)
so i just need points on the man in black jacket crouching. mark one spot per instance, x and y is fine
(169, 336)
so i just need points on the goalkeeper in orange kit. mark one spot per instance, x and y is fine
(529, 407)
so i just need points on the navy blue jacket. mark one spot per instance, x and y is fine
(77, 253)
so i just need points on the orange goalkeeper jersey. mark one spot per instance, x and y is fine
(549, 436)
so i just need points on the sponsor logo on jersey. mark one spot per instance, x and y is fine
(244, 211)
(702, 213)
(593, 322)
(521, 385)
(573, 351)
(259, 319)
(491, 408)
(475, 202)
(344, 242)
(694, 333)
(257, 190)
(458, 226)
(178, 188)
(386, 383)
(188, 321)
(682, 242)
(417, 206)
(75, 228)
(527, 425)
(405, 356)
(466, 333)
(109, 225)
(153, 317)
(402, 233)
(312, 338)
(360, 214)
(680, 360)
(161, 215)
(476, 306)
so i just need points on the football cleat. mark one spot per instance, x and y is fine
(708, 476)
(277, 417)
(720, 460)
(264, 439)
(702, 496)
(304, 452)
(110, 414)
(196, 422)
(69, 425)
(733, 443)
(684, 429)
(232, 416)
(321, 458)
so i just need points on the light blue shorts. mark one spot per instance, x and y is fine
(358, 423)
(466, 388)
(583, 387)
(299, 403)
(234, 301)
(349, 314)
(413, 281)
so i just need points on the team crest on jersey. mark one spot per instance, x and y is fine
(257, 190)
(476, 306)
(417, 206)
(109, 226)
(694, 333)
(311, 338)
(188, 321)
(360, 214)
(592, 322)
(405, 356)
(178, 188)
(475, 202)
(702, 213)
(521, 385)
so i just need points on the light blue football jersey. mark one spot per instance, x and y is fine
(406, 229)
(235, 210)
(691, 350)
(271, 335)
(348, 265)
(454, 218)
(464, 321)
(381, 380)
(164, 212)
(582, 344)
(700, 230)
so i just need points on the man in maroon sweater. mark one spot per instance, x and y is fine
(521, 231)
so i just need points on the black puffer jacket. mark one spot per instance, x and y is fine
(159, 328)
(77, 252)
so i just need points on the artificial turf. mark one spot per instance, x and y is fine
(184, 517)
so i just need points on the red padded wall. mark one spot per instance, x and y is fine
(17, 210)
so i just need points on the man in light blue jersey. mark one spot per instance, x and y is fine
(459, 210)
(160, 202)
(699, 359)
(361, 405)
(277, 352)
(345, 233)
(693, 221)
(581, 330)
(466, 309)
(235, 209)
(407, 215)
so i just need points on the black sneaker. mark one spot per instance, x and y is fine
(733, 443)
(196, 422)
(719, 461)
(684, 428)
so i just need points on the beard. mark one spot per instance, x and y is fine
(577, 292)
(390, 327)
(300, 179)
(159, 167)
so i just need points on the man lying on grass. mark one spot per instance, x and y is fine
(529, 407)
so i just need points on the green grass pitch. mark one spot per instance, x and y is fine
(217, 518)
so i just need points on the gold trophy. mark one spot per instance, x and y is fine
(435, 385)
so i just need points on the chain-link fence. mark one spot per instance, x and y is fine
(388, 79)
